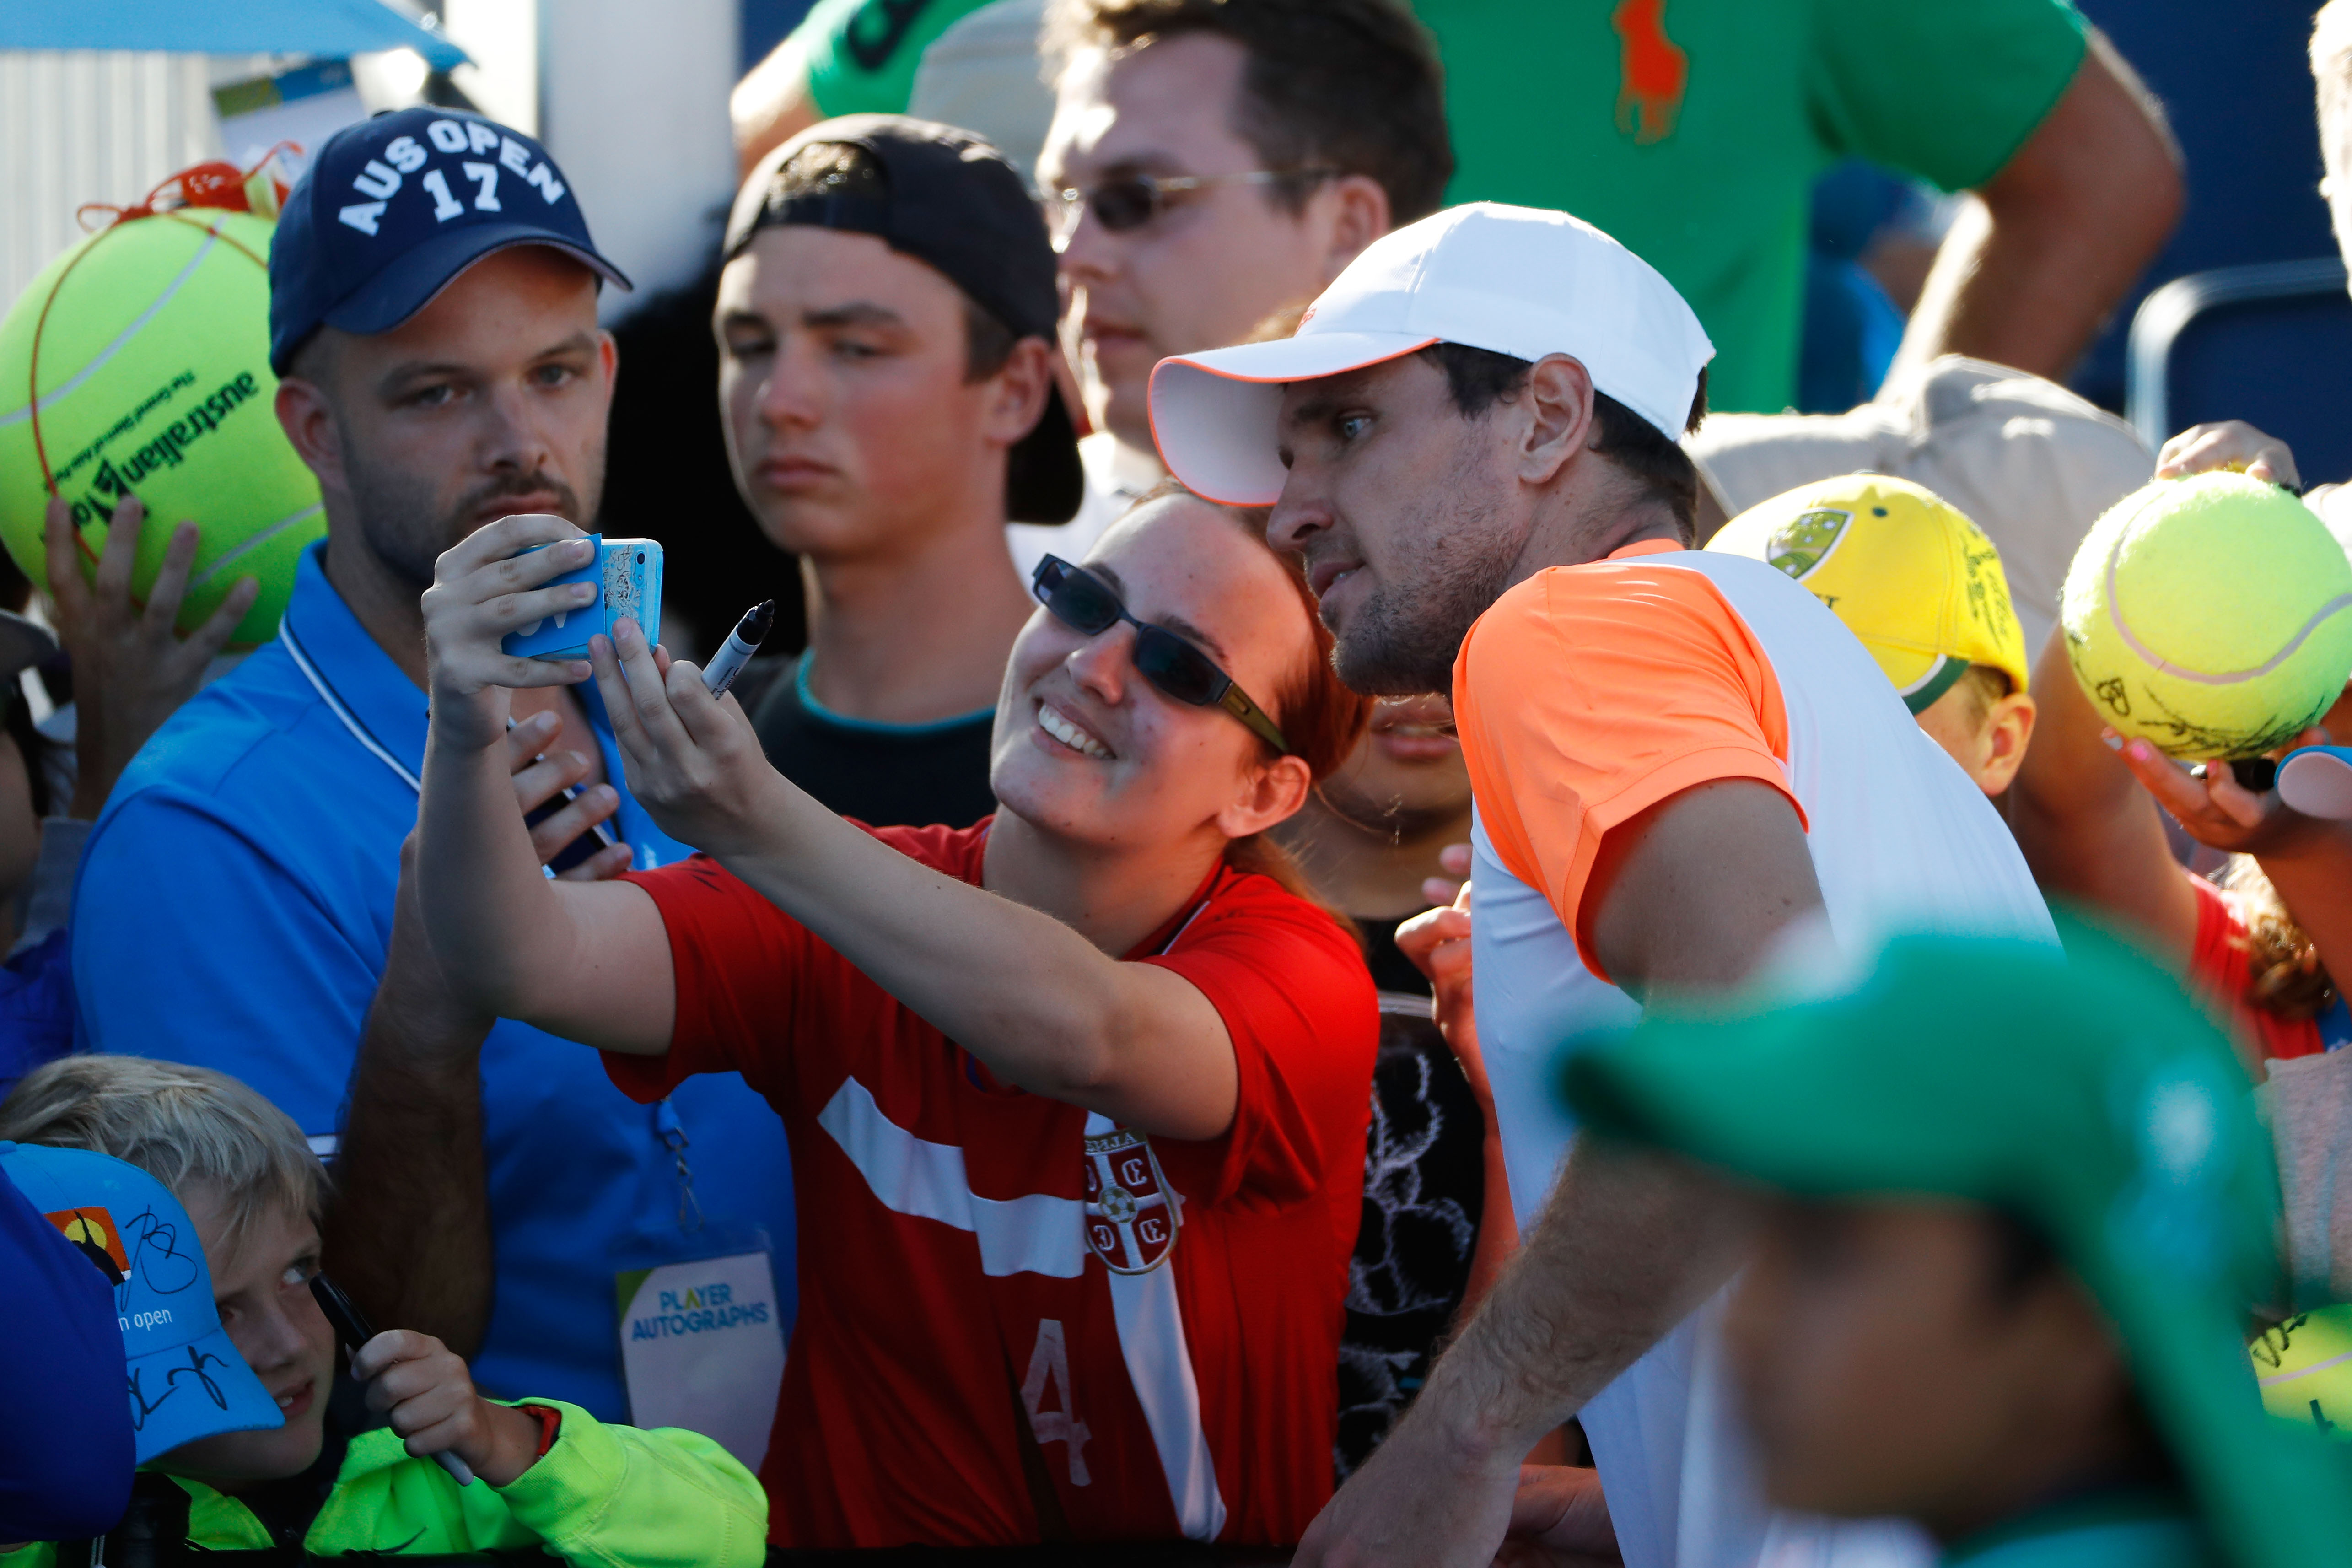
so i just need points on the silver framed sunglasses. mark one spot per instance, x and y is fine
(1131, 200)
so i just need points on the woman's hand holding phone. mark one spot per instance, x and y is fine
(484, 586)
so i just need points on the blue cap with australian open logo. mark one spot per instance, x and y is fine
(187, 1381)
(393, 208)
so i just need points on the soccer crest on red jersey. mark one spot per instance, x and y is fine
(1130, 1214)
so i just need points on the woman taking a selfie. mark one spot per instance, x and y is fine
(1077, 1095)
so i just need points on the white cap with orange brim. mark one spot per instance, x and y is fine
(1513, 280)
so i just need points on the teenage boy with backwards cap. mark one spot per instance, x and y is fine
(2004, 1283)
(1677, 758)
(885, 329)
(433, 315)
(200, 1202)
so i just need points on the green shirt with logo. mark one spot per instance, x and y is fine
(1693, 129)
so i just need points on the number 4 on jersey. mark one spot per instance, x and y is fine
(1049, 1364)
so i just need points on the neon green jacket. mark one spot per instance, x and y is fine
(614, 1496)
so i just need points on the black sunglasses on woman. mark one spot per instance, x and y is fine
(1085, 602)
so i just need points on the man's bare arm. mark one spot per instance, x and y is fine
(1688, 897)
(2089, 833)
(772, 105)
(1691, 895)
(409, 1232)
(2031, 271)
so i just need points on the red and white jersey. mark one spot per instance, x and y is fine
(1006, 1302)
(1584, 696)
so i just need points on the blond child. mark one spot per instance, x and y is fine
(546, 1474)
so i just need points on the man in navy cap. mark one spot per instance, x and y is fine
(433, 318)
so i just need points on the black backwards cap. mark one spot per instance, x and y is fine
(953, 202)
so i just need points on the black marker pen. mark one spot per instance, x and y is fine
(352, 1327)
(740, 645)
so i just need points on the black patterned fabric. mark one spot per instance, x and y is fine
(1424, 1185)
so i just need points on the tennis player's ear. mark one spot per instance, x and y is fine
(1557, 409)
(1266, 795)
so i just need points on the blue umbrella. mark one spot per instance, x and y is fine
(331, 28)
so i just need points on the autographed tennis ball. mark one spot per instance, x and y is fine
(2211, 616)
(138, 363)
(2304, 1368)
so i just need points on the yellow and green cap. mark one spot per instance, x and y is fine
(2087, 1095)
(1907, 572)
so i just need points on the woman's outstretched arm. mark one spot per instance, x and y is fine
(587, 961)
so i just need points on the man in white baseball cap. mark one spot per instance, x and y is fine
(1684, 765)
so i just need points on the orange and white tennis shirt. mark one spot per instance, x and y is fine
(1584, 696)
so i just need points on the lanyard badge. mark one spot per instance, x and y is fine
(1131, 1213)
(702, 1330)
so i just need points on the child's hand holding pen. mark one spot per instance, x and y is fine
(423, 1388)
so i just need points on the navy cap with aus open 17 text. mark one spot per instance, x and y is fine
(392, 209)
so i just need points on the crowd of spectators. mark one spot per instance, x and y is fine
(1285, 511)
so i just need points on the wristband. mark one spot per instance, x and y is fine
(551, 1421)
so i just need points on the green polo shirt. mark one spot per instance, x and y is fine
(1693, 129)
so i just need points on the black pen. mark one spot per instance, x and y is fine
(352, 1327)
(740, 645)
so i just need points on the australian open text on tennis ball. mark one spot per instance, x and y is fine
(138, 363)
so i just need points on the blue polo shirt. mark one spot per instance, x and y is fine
(233, 911)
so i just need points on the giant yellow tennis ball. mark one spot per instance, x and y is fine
(2304, 1368)
(138, 363)
(2210, 615)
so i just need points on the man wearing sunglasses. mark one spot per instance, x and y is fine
(1210, 163)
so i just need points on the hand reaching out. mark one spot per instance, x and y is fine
(130, 668)
(539, 777)
(1437, 942)
(2231, 444)
(1416, 1502)
(2216, 810)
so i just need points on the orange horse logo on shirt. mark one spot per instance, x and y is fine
(1652, 70)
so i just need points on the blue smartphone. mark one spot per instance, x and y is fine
(627, 574)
